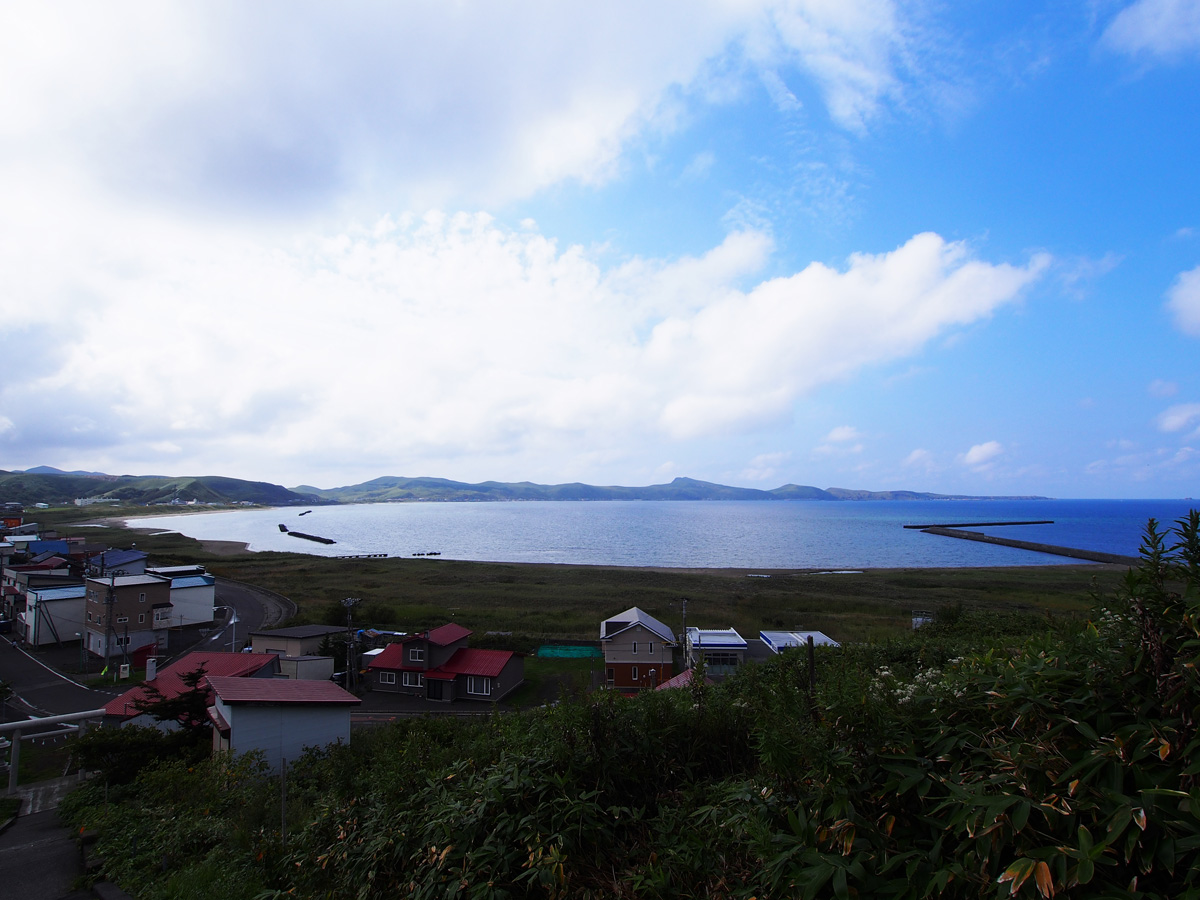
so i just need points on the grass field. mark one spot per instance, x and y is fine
(539, 602)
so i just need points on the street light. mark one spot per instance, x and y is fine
(232, 625)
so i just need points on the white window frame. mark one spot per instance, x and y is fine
(121, 620)
(141, 598)
(416, 654)
(141, 618)
(650, 647)
(475, 682)
(633, 673)
(408, 679)
(387, 677)
(635, 648)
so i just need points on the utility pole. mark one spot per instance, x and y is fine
(351, 665)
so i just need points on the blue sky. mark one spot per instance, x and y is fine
(868, 244)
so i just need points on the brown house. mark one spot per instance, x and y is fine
(126, 612)
(638, 651)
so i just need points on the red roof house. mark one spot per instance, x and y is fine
(169, 681)
(438, 665)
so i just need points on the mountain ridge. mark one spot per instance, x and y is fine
(48, 485)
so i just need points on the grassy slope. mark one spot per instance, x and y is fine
(570, 601)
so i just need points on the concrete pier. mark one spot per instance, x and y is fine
(1071, 552)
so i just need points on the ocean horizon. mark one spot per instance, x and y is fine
(792, 534)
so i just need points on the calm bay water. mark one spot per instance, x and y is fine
(691, 534)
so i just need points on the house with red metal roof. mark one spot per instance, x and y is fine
(278, 717)
(438, 665)
(169, 682)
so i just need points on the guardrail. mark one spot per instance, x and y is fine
(57, 725)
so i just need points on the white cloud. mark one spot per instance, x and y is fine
(981, 455)
(764, 466)
(1161, 28)
(1179, 417)
(1160, 388)
(294, 107)
(433, 338)
(844, 433)
(920, 459)
(1183, 300)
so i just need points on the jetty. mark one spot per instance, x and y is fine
(307, 537)
(1054, 550)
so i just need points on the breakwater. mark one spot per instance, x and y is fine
(1071, 552)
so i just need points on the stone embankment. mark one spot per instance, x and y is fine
(1071, 552)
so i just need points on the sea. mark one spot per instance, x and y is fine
(794, 534)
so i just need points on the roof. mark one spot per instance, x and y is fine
(67, 592)
(716, 638)
(391, 657)
(683, 679)
(780, 640)
(465, 661)
(169, 681)
(468, 661)
(128, 580)
(447, 634)
(614, 625)
(279, 690)
(110, 558)
(302, 631)
(179, 582)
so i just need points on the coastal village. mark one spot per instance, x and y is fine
(109, 617)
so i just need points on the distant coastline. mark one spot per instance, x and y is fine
(45, 484)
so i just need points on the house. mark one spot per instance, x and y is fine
(124, 612)
(121, 562)
(296, 641)
(778, 641)
(170, 682)
(279, 718)
(722, 649)
(638, 651)
(193, 594)
(52, 615)
(438, 665)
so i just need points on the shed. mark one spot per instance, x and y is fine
(280, 718)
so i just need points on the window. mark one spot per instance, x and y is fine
(650, 648)
(720, 659)
(89, 617)
(413, 679)
(141, 598)
(416, 654)
(635, 647)
(633, 673)
(141, 618)
(479, 686)
(387, 677)
(611, 676)
(121, 620)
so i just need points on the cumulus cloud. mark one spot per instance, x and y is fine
(1160, 28)
(1183, 301)
(1179, 417)
(1160, 388)
(981, 456)
(427, 337)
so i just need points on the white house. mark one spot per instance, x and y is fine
(723, 649)
(53, 615)
(279, 717)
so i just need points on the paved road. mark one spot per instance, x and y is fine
(40, 690)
